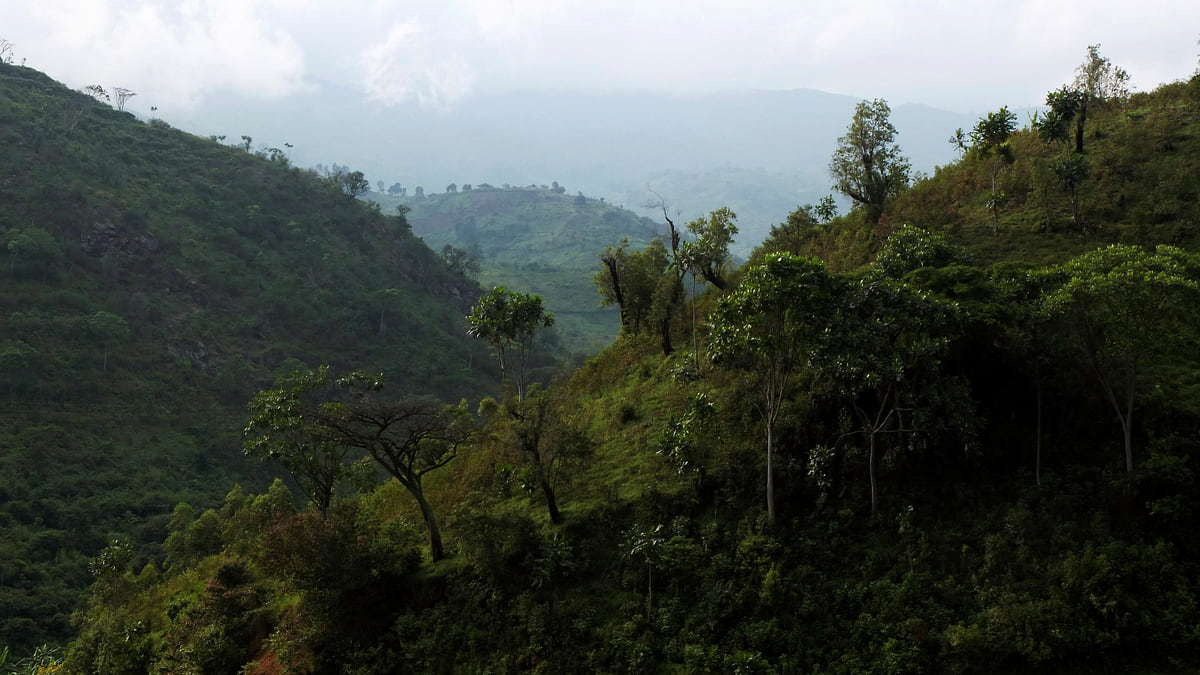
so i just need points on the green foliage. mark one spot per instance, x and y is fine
(708, 254)
(767, 329)
(155, 281)
(537, 240)
(867, 165)
(507, 321)
(644, 285)
(1124, 308)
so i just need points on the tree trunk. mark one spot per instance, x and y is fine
(1127, 422)
(551, 503)
(435, 535)
(770, 477)
(1037, 444)
(871, 468)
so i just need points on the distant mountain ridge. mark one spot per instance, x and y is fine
(699, 152)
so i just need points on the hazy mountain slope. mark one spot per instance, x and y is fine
(688, 148)
(535, 240)
(154, 281)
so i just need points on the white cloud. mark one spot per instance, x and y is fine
(172, 52)
(974, 55)
(410, 63)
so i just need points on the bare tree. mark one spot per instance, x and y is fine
(123, 95)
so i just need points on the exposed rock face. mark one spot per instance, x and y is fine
(104, 238)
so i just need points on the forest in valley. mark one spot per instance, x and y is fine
(255, 424)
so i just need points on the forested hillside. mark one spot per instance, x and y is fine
(535, 238)
(952, 430)
(153, 282)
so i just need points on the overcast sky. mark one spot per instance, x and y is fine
(962, 55)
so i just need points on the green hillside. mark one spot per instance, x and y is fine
(937, 446)
(154, 281)
(537, 239)
(1141, 188)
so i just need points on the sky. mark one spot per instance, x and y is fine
(966, 56)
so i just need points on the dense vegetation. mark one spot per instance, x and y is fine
(959, 439)
(154, 281)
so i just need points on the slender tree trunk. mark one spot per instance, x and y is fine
(770, 477)
(1037, 442)
(1127, 422)
(695, 349)
(551, 502)
(649, 587)
(871, 468)
(435, 535)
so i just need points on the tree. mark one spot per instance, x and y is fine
(408, 438)
(1071, 171)
(280, 430)
(460, 261)
(990, 139)
(1125, 307)
(385, 298)
(6, 56)
(419, 193)
(959, 141)
(708, 253)
(97, 92)
(644, 285)
(107, 328)
(123, 95)
(767, 330)
(867, 165)
(451, 188)
(880, 356)
(36, 244)
(1099, 79)
(507, 321)
(548, 443)
(354, 183)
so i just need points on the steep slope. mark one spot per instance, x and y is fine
(1140, 187)
(154, 281)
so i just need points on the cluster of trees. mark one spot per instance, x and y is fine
(647, 285)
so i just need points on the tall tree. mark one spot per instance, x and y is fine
(309, 432)
(708, 252)
(867, 165)
(767, 330)
(507, 321)
(1124, 308)
(540, 430)
(281, 429)
(881, 357)
(1099, 79)
(990, 139)
(645, 285)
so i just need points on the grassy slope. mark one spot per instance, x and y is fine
(224, 268)
(1142, 189)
